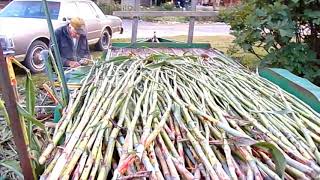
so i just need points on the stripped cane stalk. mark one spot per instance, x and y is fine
(171, 166)
(163, 163)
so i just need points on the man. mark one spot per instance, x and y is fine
(73, 44)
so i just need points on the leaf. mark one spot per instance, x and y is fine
(286, 32)
(157, 65)
(261, 13)
(30, 118)
(30, 96)
(277, 156)
(119, 59)
(30, 102)
(3, 108)
(241, 141)
(16, 62)
(312, 14)
(159, 57)
(13, 166)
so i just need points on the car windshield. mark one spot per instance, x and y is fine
(30, 9)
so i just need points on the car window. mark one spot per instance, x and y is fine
(70, 10)
(87, 11)
(97, 9)
(30, 9)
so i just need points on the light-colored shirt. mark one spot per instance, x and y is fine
(75, 46)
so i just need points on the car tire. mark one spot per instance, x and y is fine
(33, 60)
(104, 42)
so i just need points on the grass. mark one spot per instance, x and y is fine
(38, 79)
(223, 43)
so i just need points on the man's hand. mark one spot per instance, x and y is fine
(84, 61)
(74, 64)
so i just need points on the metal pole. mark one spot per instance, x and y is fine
(135, 23)
(192, 22)
(15, 121)
(57, 53)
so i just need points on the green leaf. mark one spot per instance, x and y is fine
(277, 156)
(13, 166)
(50, 75)
(312, 14)
(159, 57)
(30, 102)
(286, 32)
(30, 118)
(30, 95)
(261, 13)
(119, 59)
(16, 62)
(3, 108)
(157, 65)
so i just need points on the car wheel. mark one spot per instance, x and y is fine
(33, 60)
(104, 41)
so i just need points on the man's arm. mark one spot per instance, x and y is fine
(85, 45)
(87, 49)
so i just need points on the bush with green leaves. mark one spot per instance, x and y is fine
(168, 6)
(287, 30)
(109, 8)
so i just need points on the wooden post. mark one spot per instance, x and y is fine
(15, 121)
(135, 23)
(192, 21)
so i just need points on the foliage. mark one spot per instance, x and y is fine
(35, 133)
(168, 6)
(277, 157)
(288, 30)
(109, 8)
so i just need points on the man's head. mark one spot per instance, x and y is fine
(77, 27)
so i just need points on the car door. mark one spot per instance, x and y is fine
(92, 21)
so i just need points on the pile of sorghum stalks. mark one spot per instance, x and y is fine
(182, 117)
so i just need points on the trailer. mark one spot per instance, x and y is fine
(155, 120)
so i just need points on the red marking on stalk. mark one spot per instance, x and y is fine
(262, 150)
(305, 162)
(125, 165)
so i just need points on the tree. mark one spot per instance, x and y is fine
(288, 30)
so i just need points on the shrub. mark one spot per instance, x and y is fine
(168, 6)
(288, 30)
(109, 8)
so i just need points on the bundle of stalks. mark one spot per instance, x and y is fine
(182, 117)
